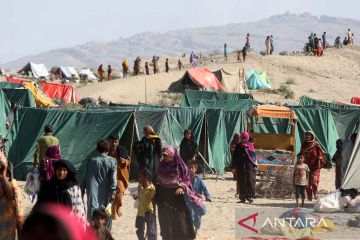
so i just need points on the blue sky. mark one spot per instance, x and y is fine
(33, 26)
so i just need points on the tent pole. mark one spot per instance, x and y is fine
(201, 156)
(145, 90)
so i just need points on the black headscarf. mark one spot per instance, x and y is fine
(55, 190)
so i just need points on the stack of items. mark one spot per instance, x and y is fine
(277, 157)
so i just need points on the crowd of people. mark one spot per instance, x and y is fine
(318, 44)
(167, 183)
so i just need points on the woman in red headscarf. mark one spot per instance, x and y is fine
(313, 155)
(244, 163)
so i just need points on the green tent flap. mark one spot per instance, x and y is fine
(307, 101)
(4, 112)
(192, 98)
(9, 85)
(22, 97)
(242, 105)
(319, 121)
(78, 132)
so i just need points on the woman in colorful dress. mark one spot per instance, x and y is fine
(314, 158)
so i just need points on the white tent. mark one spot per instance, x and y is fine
(36, 70)
(69, 72)
(352, 176)
(90, 75)
(232, 81)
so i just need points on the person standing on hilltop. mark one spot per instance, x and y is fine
(167, 68)
(268, 45)
(316, 41)
(109, 72)
(101, 73)
(225, 51)
(324, 40)
(180, 65)
(244, 53)
(147, 70)
(349, 37)
(193, 59)
(271, 44)
(319, 49)
(247, 44)
(125, 66)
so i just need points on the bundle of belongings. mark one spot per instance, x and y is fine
(298, 223)
(277, 157)
(338, 201)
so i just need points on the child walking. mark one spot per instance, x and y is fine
(200, 188)
(98, 223)
(146, 211)
(301, 179)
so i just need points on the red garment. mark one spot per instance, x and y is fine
(313, 155)
(312, 187)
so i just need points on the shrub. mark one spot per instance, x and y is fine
(311, 90)
(263, 53)
(286, 92)
(290, 81)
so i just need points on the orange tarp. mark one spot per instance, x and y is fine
(203, 77)
(272, 111)
(57, 90)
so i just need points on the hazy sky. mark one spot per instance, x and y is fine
(33, 26)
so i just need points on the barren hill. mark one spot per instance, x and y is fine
(333, 77)
(290, 33)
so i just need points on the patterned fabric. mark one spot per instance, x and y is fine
(77, 205)
(11, 213)
(176, 174)
(301, 174)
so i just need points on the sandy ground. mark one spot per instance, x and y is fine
(219, 222)
(333, 77)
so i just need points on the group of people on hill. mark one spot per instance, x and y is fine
(269, 44)
(317, 45)
(101, 72)
(137, 67)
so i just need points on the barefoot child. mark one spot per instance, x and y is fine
(200, 188)
(146, 212)
(301, 179)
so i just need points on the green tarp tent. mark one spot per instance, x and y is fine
(346, 117)
(352, 177)
(307, 101)
(10, 85)
(192, 98)
(78, 132)
(4, 111)
(22, 97)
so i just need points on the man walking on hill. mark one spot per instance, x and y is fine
(247, 44)
(225, 51)
(167, 68)
(268, 45)
(193, 59)
(109, 72)
(324, 40)
(349, 37)
(101, 73)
